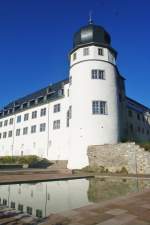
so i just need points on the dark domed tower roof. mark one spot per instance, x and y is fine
(92, 35)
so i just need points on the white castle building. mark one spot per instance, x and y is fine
(90, 107)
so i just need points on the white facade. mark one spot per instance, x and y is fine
(87, 128)
(89, 108)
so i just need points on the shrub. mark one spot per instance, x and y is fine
(145, 145)
(32, 160)
(123, 170)
(42, 163)
(95, 169)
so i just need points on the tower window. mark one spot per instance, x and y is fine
(75, 56)
(86, 51)
(99, 107)
(1, 124)
(100, 51)
(98, 74)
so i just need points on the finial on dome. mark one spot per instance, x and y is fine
(90, 17)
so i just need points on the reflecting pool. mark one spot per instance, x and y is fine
(41, 199)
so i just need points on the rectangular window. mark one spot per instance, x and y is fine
(11, 121)
(29, 210)
(1, 124)
(138, 116)
(56, 108)
(98, 74)
(34, 114)
(129, 113)
(131, 127)
(33, 129)
(100, 51)
(4, 202)
(26, 116)
(70, 80)
(10, 133)
(25, 130)
(60, 92)
(67, 118)
(86, 51)
(5, 122)
(0, 135)
(39, 213)
(18, 132)
(42, 127)
(56, 124)
(20, 208)
(12, 205)
(18, 119)
(74, 56)
(99, 107)
(4, 134)
(70, 112)
(43, 112)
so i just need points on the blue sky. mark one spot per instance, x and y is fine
(36, 37)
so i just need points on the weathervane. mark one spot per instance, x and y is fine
(90, 17)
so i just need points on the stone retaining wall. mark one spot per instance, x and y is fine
(114, 157)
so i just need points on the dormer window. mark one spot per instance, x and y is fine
(100, 51)
(24, 105)
(32, 102)
(40, 99)
(60, 92)
(86, 51)
(74, 56)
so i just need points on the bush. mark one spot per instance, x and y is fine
(95, 169)
(123, 170)
(32, 160)
(42, 163)
(145, 145)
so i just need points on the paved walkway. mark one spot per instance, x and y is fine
(133, 209)
(15, 177)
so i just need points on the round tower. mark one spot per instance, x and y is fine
(93, 93)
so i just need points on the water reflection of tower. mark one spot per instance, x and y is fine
(46, 200)
(8, 195)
